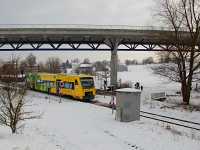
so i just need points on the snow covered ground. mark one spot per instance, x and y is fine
(73, 125)
(151, 83)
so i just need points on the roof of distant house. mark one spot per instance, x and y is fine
(85, 65)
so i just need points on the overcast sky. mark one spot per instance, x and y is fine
(96, 12)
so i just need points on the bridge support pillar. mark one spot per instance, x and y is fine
(113, 44)
(114, 67)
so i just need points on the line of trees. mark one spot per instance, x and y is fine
(131, 62)
(10, 70)
(29, 64)
(148, 60)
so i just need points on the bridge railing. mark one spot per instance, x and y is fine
(85, 26)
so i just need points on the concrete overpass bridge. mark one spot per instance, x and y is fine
(83, 37)
(87, 38)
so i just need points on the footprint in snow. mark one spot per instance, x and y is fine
(132, 147)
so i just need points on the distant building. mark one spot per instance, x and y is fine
(65, 66)
(74, 68)
(86, 69)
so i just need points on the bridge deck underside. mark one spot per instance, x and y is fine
(84, 39)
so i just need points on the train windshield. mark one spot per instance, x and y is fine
(87, 82)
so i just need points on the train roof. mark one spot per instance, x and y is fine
(63, 74)
(75, 75)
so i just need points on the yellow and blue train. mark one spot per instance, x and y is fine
(77, 86)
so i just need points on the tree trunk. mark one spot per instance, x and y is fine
(13, 126)
(13, 130)
(185, 89)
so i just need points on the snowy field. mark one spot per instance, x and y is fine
(152, 83)
(73, 125)
(155, 83)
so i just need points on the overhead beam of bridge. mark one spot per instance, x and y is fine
(83, 37)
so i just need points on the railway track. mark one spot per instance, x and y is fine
(103, 92)
(158, 117)
(171, 120)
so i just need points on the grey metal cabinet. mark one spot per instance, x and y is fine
(128, 104)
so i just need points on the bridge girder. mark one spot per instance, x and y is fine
(87, 38)
(86, 46)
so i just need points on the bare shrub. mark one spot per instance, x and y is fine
(12, 106)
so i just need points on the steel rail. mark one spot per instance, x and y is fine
(166, 117)
(186, 121)
(189, 127)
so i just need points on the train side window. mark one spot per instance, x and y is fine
(51, 84)
(67, 85)
(58, 83)
(38, 81)
(48, 83)
(70, 86)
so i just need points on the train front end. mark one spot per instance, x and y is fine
(88, 87)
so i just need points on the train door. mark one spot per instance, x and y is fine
(33, 85)
(48, 87)
(58, 87)
(72, 87)
(76, 88)
(75, 85)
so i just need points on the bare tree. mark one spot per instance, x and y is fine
(42, 67)
(23, 66)
(31, 60)
(53, 65)
(76, 60)
(29, 64)
(86, 61)
(10, 70)
(12, 106)
(183, 17)
(164, 57)
(131, 62)
(148, 60)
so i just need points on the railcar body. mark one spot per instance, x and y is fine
(77, 86)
